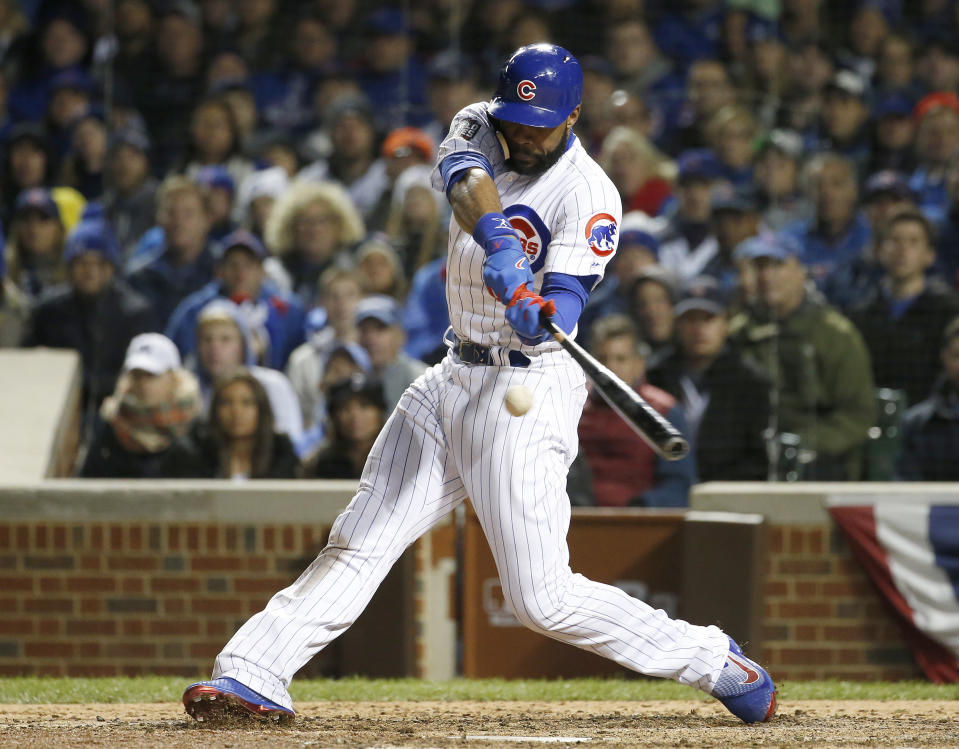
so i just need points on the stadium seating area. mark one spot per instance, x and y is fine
(210, 197)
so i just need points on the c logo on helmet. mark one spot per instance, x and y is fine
(526, 90)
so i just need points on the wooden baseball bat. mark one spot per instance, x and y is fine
(645, 420)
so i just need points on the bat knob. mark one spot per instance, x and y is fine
(675, 448)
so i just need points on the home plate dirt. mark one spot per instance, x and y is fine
(489, 724)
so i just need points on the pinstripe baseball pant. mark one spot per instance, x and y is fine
(449, 438)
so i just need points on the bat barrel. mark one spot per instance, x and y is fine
(675, 448)
(648, 423)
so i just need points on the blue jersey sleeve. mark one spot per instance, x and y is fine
(569, 294)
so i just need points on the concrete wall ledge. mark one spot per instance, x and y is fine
(39, 398)
(118, 500)
(804, 503)
(320, 501)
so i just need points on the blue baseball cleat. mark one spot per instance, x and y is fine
(226, 699)
(745, 688)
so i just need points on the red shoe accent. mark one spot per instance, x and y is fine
(752, 675)
(207, 704)
(772, 708)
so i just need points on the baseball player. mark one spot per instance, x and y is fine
(534, 225)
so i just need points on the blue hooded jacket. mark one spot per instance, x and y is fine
(275, 313)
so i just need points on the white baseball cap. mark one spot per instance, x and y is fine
(153, 353)
(265, 183)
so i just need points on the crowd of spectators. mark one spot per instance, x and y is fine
(225, 208)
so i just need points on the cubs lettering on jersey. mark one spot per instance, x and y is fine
(533, 234)
(566, 219)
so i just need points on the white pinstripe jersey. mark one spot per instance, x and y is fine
(450, 438)
(567, 220)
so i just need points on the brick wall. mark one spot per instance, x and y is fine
(822, 616)
(110, 598)
(106, 599)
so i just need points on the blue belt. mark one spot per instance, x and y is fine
(472, 353)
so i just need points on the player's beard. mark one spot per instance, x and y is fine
(537, 164)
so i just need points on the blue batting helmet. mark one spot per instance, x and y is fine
(539, 85)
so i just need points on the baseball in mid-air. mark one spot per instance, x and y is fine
(518, 399)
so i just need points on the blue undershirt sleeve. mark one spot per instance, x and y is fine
(569, 294)
(454, 167)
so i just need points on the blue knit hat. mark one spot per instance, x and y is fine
(92, 235)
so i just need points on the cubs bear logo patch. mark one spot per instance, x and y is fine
(601, 234)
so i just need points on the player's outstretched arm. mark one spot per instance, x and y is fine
(478, 210)
(472, 196)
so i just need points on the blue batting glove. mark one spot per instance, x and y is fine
(523, 315)
(506, 267)
(505, 271)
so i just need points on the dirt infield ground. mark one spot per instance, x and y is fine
(486, 724)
